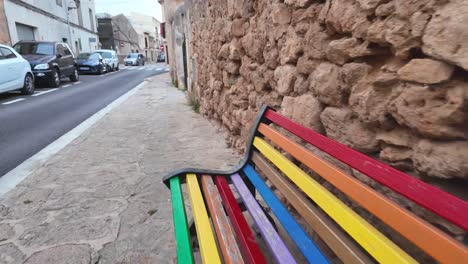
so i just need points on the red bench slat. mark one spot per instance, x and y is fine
(245, 237)
(446, 205)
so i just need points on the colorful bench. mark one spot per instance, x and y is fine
(224, 235)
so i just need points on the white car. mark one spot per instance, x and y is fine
(15, 72)
(110, 59)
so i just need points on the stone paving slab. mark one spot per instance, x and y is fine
(101, 199)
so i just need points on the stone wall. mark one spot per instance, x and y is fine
(4, 33)
(386, 77)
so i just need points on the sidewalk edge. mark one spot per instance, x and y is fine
(18, 174)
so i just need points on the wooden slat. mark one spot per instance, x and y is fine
(206, 239)
(433, 241)
(226, 239)
(310, 251)
(444, 204)
(338, 242)
(249, 247)
(376, 244)
(184, 251)
(276, 245)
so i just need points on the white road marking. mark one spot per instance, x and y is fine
(18, 174)
(13, 101)
(160, 69)
(77, 83)
(65, 86)
(45, 92)
(141, 68)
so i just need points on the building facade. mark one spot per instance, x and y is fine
(178, 36)
(149, 39)
(4, 33)
(70, 21)
(118, 34)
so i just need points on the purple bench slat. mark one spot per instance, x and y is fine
(269, 234)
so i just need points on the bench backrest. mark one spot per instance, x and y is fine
(345, 232)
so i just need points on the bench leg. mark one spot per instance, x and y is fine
(193, 235)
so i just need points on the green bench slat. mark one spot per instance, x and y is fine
(184, 250)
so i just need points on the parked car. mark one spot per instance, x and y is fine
(110, 59)
(50, 61)
(15, 72)
(162, 57)
(136, 59)
(91, 63)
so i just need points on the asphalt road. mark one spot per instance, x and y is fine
(30, 123)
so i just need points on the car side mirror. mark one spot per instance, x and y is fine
(59, 55)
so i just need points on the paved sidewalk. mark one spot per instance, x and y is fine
(101, 199)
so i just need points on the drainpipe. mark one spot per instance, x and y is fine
(68, 23)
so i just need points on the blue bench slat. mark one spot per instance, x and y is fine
(310, 251)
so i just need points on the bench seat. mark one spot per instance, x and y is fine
(275, 171)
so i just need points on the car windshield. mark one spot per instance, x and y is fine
(106, 55)
(132, 56)
(89, 56)
(35, 48)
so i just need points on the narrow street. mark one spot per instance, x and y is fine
(29, 123)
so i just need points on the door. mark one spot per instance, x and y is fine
(63, 61)
(4, 72)
(10, 70)
(25, 32)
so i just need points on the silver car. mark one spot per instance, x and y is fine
(135, 59)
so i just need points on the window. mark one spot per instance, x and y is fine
(89, 56)
(7, 54)
(60, 49)
(34, 48)
(67, 51)
(80, 17)
(106, 55)
(58, 2)
(91, 19)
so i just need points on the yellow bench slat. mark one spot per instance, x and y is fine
(376, 244)
(208, 249)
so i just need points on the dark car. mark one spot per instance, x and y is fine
(136, 59)
(50, 61)
(91, 63)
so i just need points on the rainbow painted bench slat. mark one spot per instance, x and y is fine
(224, 234)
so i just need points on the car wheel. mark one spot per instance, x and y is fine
(74, 77)
(111, 68)
(55, 80)
(143, 63)
(117, 67)
(101, 70)
(28, 87)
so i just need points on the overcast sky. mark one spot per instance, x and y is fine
(115, 7)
